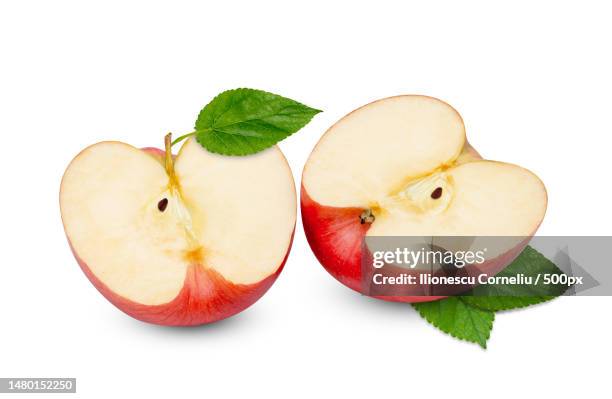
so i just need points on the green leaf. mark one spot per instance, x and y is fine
(529, 263)
(459, 319)
(471, 317)
(246, 121)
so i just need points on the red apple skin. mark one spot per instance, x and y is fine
(156, 152)
(206, 296)
(335, 235)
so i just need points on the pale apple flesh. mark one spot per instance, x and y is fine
(401, 166)
(188, 246)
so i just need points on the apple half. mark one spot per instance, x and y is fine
(402, 166)
(182, 240)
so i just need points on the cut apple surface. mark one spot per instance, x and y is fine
(180, 241)
(401, 166)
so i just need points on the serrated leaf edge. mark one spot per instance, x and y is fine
(436, 325)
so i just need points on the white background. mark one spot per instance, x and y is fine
(531, 80)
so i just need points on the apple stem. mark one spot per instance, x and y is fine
(169, 161)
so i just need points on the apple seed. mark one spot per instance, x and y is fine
(161, 205)
(437, 193)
